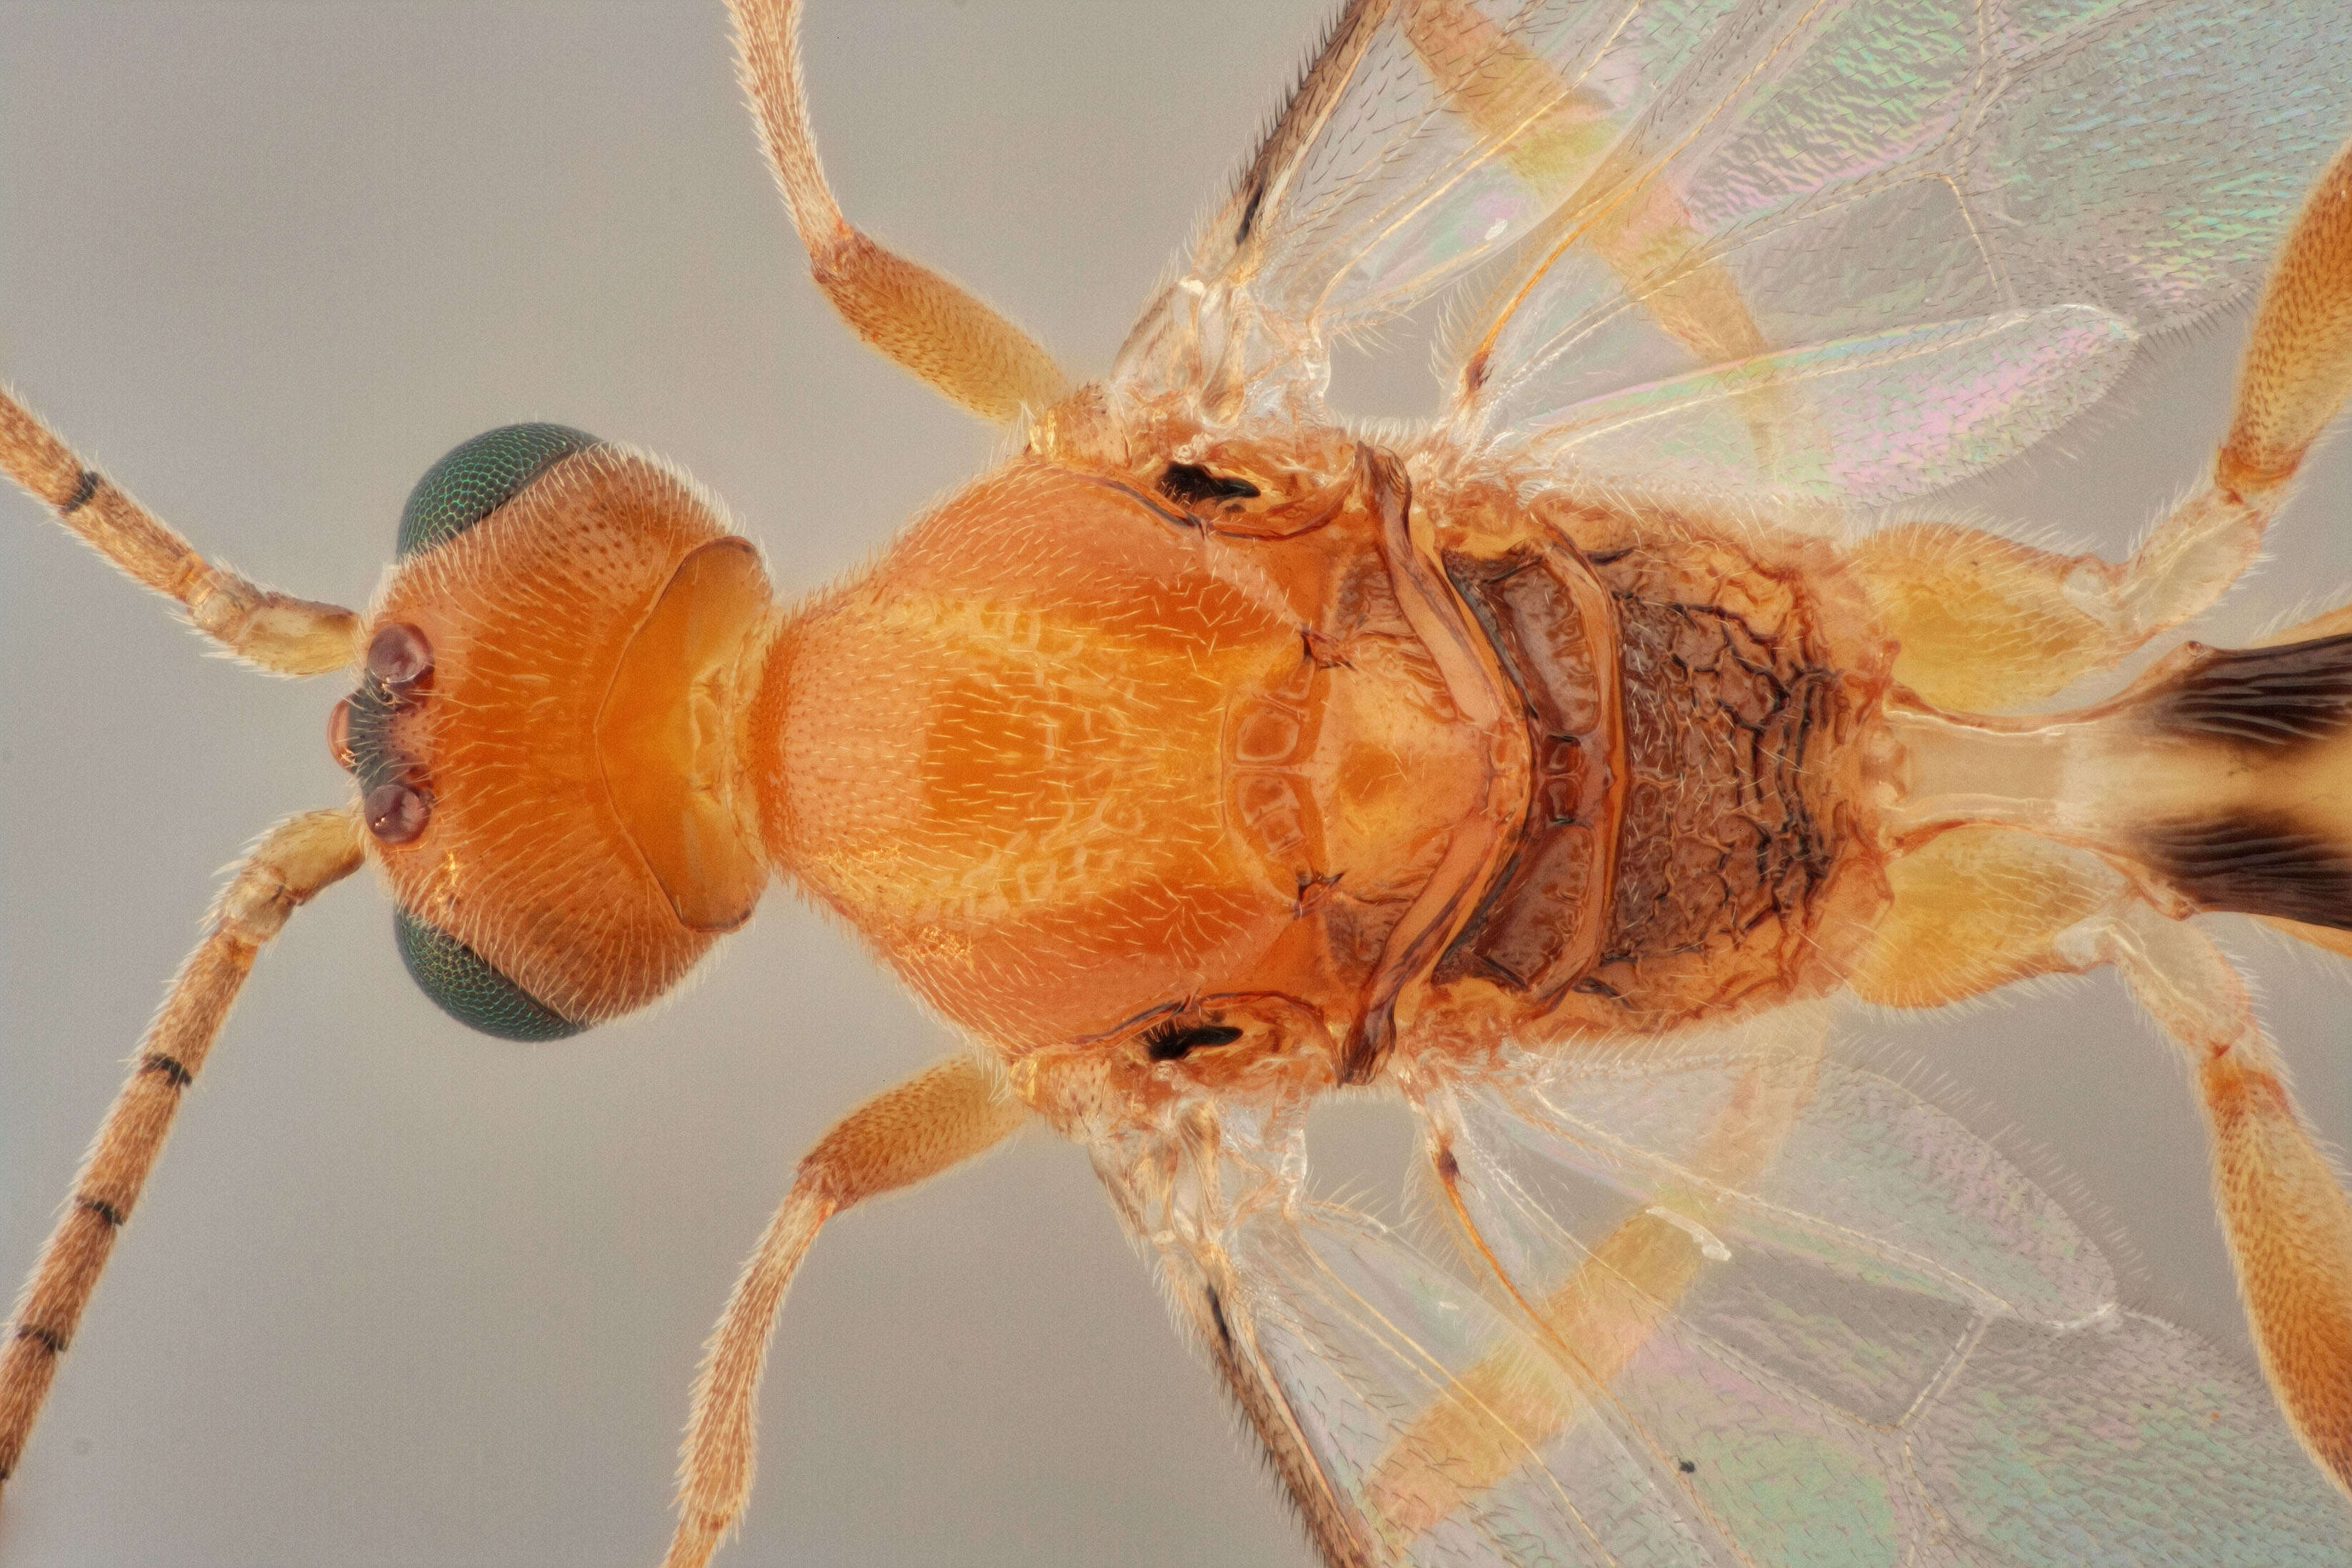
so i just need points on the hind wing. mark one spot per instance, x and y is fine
(1728, 1302)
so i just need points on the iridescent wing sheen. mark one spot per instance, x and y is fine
(1850, 250)
(1723, 1301)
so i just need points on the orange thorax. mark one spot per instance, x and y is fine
(1063, 760)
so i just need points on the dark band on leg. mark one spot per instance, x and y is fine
(48, 1338)
(82, 492)
(155, 1061)
(106, 1211)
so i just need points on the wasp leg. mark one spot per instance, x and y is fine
(1977, 907)
(2283, 1209)
(1989, 623)
(293, 861)
(930, 325)
(941, 1117)
(271, 630)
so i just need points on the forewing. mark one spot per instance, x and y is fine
(1407, 1413)
(1800, 213)
(1729, 1302)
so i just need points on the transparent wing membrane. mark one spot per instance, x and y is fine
(1893, 1347)
(1866, 419)
(1433, 1415)
(1668, 199)
(1730, 1301)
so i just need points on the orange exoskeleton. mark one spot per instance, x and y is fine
(1553, 766)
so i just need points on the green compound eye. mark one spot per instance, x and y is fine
(479, 476)
(463, 984)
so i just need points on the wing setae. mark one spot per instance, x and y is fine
(1873, 245)
(1731, 1300)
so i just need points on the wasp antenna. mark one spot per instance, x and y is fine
(290, 863)
(927, 323)
(267, 629)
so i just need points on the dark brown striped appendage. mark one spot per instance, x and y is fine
(2253, 863)
(2269, 698)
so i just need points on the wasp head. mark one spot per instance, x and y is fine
(544, 736)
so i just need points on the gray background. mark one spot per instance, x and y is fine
(403, 1295)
